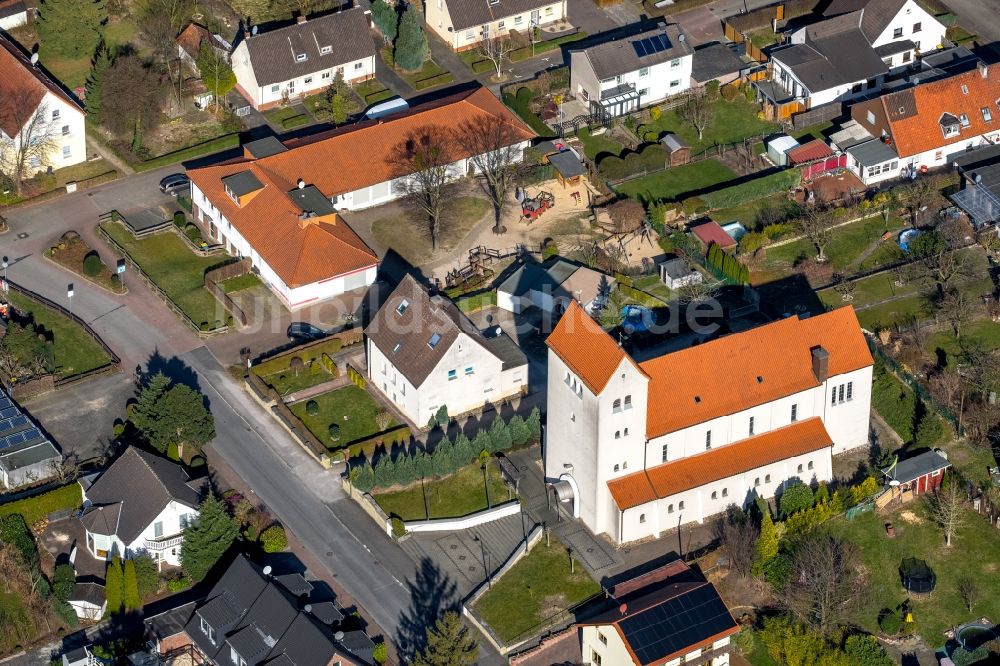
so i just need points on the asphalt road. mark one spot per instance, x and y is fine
(979, 17)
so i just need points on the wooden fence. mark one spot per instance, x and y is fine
(221, 274)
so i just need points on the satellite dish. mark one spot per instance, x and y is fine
(34, 58)
(301, 183)
(308, 608)
(253, 30)
(894, 482)
(499, 331)
(339, 636)
(267, 570)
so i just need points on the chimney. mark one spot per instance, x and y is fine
(623, 609)
(984, 70)
(300, 19)
(821, 363)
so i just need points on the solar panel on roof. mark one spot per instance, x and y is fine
(8, 412)
(639, 47)
(5, 402)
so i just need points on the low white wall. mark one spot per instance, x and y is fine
(451, 524)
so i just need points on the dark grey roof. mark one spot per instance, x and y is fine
(567, 164)
(295, 583)
(917, 466)
(820, 64)
(92, 593)
(504, 349)
(310, 200)
(986, 156)
(713, 61)
(956, 58)
(877, 15)
(628, 54)
(242, 182)
(273, 53)
(103, 518)
(144, 484)
(892, 48)
(529, 276)
(171, 622)
(359, 644)
(12, 9)
(471, 13)
(80, 654)
(31, 454)
(560, 270)
(676, 268)
(270, 627)
(265, 147)
(872, 152)
(406, 337)
(327, 612)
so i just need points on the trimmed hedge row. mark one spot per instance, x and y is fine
(33, 509)
(639, 296)
(436, 80)
(295, 121)
(753, 189)
(520, 103)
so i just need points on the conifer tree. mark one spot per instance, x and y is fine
(500, 434)
(519, 433)
(71, 29)
(443, 458)
(449, 643)
(207, 538)
(463, 452)
(130, 594)
(386, 19)
(113, 584)
(411, 44)
(534, 423)
(482, 442)
(102, 61)
(767, 544)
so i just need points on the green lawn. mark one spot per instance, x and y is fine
(177, 270)
(281, 115)
(74, 350)
(242, 282)
(539, 586)
(429, 70)
(816, 131)
(983, 332)
(748, 213)
(453, 496)
(349, 407)
(598, 146)
(731, 122)
(653, 285)
(846, 245)
(372, 92)
(675, 183)
(973, 554)
(71, 73)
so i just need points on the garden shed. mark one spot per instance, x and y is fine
(710, 232)
(919, 474)
(678, 151)
(778, 147)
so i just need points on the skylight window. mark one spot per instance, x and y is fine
(403, 305)
(965, 89)
(435, 339)
(301, 57)
(987, 116)
(964, 119)
(326, 50)
(399, 345)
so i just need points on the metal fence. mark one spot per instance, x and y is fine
(921, 392)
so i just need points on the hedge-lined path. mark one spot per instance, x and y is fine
(319, 389)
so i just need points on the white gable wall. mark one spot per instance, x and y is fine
(928, 36)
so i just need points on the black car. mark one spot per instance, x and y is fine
(175, 183)
(300, 330)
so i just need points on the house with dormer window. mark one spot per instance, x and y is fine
(925, 126)
(462, 24)
(283, 65)
(424, 354)
(141, 503)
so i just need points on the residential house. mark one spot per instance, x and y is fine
(26, 454)
(620, 76)
(925, 126)
(424, 354)
(13, 14)
(35, 110)
(191, 38)
(850, 52)
(668, 616)
(278, 66)
(635, 448)
(251, 617)
(88, 600)
(141, 503)
(717, 62)
(462, 24)
(81, 656)
(551, 288)
(280, 204)
(979, 195)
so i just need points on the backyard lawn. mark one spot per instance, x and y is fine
(410, 236)
(43, 182)
(598, 146)
(539, 586)
(425, 77)
(175, 269)
(973, 554)
(74, 350)
(349, 407)
(731, 122)
(372, 92)
(673, 184)
(453, 496)
(277, 372)
(846, 245)
(242, 282)
(749, 212)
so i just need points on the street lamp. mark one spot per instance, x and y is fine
(482, 547)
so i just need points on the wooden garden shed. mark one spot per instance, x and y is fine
(678, 151)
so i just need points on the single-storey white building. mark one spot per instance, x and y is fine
(551, 288)
(88, 601)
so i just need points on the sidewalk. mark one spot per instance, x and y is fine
(109, 156)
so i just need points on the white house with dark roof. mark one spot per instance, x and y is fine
(424, 354)
(303, 59)
(26, 454)
(141, 503)
(623, 75)
(13, 14)
(462, 24)
(636, 448)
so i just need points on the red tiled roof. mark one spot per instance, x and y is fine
(710, 232)
(746, 369)
(22, 87)
(720, 463)
(809, 152)
(918, 128)
(191, 38)
(586, 348)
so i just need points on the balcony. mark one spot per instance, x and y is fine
(163, 543)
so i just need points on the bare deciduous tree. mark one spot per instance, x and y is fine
(738, 535)
(947, 508)
(698, 111)
(497, 49)
(696, 292)
(918, 194)
(817, 226)
(34, 135)
(65, 468)
(626, 215)
(496, 148)
(956, 307)
(423, 164)
(968, 590)
(945, 266)
(826, 582)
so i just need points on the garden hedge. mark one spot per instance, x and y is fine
(520, 103)
(752, 190)
(33, 509)
(436, 80)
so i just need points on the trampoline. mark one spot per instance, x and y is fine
(918, 578)
(636, 318)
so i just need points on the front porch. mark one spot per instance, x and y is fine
(779, 103)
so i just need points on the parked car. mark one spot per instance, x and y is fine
(300, 330)
(175, 184)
